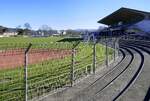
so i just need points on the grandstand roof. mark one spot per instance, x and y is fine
(124, 15)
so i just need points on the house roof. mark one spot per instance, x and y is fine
(124, 15)
(11, 30)
(2, 29)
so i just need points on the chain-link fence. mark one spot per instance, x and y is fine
(30, 71)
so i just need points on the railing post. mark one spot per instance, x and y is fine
(26, 71)
(72, 66)
(117, 47)
(106, 53)
(94, 57)
(114, 50)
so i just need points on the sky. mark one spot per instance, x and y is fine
(62, 14)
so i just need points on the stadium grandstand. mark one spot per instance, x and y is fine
(127, 21)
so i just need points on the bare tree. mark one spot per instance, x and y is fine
(27, 29)
(27, 26)
(73, 33)
(100, 28)
(45, 28)
(18, 27)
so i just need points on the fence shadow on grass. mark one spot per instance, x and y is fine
(70, 39)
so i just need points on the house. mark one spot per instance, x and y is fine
(9, 32)
(62, 32)
(2, 30)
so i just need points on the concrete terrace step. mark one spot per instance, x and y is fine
(109, 93)
(90, 92)
(70, 92)
(140, 90)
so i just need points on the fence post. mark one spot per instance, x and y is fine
(106, 53)
(94, 57)
(117, 47)
(72, 66)
(114, 50)
(26, 71)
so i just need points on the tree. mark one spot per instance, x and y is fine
(73, 33)
(27, 29)
(100, 28)
(20, 31)
(27, 26)
(45, 28)
(18, 27)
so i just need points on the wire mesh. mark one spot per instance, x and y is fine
(100, 55)
(11, 72)
(83, 58)
(49, 67)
